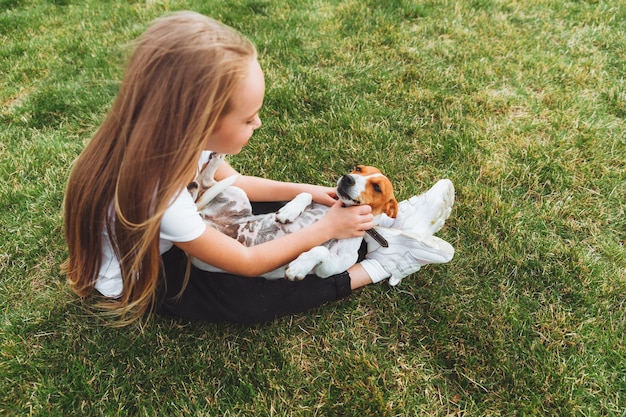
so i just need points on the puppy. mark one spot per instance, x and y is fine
(227, 208)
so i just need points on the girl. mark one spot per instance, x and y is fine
(193, 84)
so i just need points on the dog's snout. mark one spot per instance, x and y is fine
(347, 181)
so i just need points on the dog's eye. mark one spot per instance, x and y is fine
(357, 168)
(377, 188)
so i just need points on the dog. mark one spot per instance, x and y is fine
(228, 209)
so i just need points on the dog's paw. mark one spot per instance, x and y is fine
(300, 267)
(305, 263)
(287, 214)
(293, 209)
(294, 274)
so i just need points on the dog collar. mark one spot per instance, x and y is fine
(378, 238)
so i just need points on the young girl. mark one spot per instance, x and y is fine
(191, 85)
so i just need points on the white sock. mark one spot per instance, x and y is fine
(373, 268)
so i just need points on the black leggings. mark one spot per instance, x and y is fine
(222, 297)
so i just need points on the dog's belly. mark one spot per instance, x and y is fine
(238, 222)
(253, 230)
(263, 228)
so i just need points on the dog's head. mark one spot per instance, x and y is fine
(367, 185)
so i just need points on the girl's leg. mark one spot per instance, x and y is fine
(222, 297)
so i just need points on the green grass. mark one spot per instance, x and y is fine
(521, 103)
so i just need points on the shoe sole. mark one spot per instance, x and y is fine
(432, 249)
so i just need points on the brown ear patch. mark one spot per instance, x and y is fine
(391, 209)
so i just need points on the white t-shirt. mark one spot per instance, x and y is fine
(181, 223)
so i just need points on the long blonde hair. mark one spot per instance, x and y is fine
(176, 88)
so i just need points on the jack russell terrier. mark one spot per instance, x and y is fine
(226, 208)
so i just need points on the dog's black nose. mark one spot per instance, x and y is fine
(347, 180)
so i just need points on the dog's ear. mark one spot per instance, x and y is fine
(193, 187)
(391, 208)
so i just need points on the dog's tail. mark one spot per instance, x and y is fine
(214, 191)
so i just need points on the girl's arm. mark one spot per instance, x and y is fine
(261, 189)
(226, 253)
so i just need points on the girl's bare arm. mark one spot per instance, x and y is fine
(262, 189)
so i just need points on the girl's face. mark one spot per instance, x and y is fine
(236, 127)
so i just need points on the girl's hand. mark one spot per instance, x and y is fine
(347, 222)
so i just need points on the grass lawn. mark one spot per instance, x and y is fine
(521, 103)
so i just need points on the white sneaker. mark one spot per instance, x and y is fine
(407, 253)
(426, 213)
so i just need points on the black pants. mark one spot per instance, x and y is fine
(222, 297)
